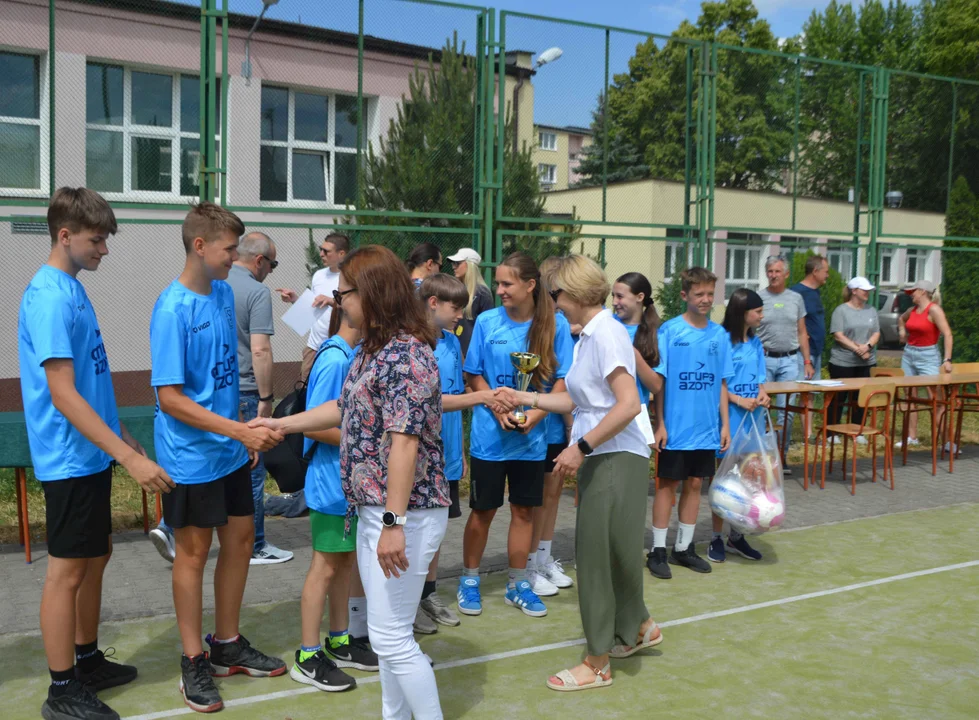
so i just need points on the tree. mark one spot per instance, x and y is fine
(960, 272)
(625, 162)
(313, 260)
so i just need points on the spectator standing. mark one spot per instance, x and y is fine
(465, 266)
(817, 273)
(425, 260)
(856, 330)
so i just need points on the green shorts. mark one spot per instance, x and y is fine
(327, 531)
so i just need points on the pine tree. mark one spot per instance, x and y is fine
(960, 272)
(625, 162)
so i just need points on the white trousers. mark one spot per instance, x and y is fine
(408, 686)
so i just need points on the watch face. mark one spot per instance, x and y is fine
(388, 518)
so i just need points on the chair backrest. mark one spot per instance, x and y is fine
(887, 372)
(876, 395)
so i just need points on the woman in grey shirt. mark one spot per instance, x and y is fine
(856, 330)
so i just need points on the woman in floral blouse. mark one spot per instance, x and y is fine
(391, 465)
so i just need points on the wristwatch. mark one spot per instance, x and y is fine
(585, 448)
(389, 519)
(267, 398)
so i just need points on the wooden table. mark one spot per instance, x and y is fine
(951, 382)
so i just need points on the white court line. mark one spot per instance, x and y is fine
(571, 643)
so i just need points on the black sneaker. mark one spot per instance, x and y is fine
(656, 562)
(76, 702)
(689, 558)
(240, 657)
(355, 654)
(321, 672)
(108, 674)
(197, 686)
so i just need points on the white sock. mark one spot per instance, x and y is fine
(543, 551)
(659, 537)
(684, 536)
(357, 625)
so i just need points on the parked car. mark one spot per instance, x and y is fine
(891, 304)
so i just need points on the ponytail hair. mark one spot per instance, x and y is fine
(540, 339)
(649, 321)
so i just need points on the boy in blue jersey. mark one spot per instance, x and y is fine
(446, 298)
(74, 434)
(206, 450)
(695, 362)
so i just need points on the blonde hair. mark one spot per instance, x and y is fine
(581, 278)
(472, 281)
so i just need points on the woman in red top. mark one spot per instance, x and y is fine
(920, 327)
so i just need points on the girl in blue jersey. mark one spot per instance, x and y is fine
(745, 395)
(502, 450)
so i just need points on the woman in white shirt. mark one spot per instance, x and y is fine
(610, 455)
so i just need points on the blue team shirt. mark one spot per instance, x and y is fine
(554, 431)
(57, 321)
(643, 392)
(693, 362)
(324, 492)
(193, 343)
(448, 355)
(748, 359)
(494, 337)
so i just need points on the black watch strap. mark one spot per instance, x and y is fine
(267, 398)
(585, 448)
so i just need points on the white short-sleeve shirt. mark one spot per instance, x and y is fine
(324, 283)
(604, 345)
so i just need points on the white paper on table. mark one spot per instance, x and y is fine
(823, 383)
(301, 316)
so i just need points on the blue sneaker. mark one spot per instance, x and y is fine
(715, 552)
(742, 548)
(522, 596)
(468, 596)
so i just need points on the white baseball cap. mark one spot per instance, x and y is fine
(466, 255)
(860, 283)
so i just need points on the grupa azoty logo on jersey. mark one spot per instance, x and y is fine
(698, 379)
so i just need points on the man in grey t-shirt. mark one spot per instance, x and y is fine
(783, 333)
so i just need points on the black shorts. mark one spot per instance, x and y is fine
(683, 464)
(488, 478)
(208, 505)
(455, 510)
(552, 452)
(78, 515)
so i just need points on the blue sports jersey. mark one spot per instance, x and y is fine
(193, 343)
(57, 321)
(748, 359)
(643, 392)
(694, 362)
(448, 354)
(324, 492)
(554, 431)
(494, 337)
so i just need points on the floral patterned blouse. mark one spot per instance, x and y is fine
(394, 390)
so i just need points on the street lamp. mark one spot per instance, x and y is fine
(549, 55)
(246, 66)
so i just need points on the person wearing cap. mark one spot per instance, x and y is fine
(465, 266)
(856, 330)
(919, 327)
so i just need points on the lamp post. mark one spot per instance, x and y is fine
(246, 66)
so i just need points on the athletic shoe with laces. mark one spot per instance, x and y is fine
(270, 555)
(715, 551)
(690, 559)
(437, 610)
(355, 653)
(468, 597)
(76, 702)
(424, 625)
(541, 586)
(107, 674)
(523, 596)
(163, 542)
(657, 564)
(197, 686)
(554, 572)
(322, 673)
(240, 657)
(742, 548)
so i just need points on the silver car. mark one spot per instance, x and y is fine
(891, 304)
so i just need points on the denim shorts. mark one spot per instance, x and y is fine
(921, 360)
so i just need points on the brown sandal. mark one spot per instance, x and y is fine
(568, 683)
(651, 637)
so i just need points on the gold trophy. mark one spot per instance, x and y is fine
(524, 363)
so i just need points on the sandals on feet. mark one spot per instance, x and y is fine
(567, 682)
(651, 637)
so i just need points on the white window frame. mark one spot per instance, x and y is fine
(674, 251)
(920, 258)
(130, 130)
(733, 280)
(887, 279)
(549, 146)
(330, 149)
(43, 122)
(844, 258)
(547, 174)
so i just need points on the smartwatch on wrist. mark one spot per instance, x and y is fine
(390, 519)
(267, 398)
(585, 448)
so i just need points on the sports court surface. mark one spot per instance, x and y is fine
(871, 618)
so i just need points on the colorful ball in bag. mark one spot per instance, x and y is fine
(768, 510)
(753, 471)
(729, 497)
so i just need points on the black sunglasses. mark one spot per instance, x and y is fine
(338, 296)
(273, 264)
(555, 293)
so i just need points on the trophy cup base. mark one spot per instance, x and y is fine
(519, 417)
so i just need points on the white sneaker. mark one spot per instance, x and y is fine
(860, 440)
(541, 586)
(163, 542)
(270, 555)
(911, 443)
(554, 572)
(949, 447)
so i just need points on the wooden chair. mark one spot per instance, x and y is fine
(891, 372)
(965, 401)
(875, 400)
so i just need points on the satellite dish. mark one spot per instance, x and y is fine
(549, 55)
